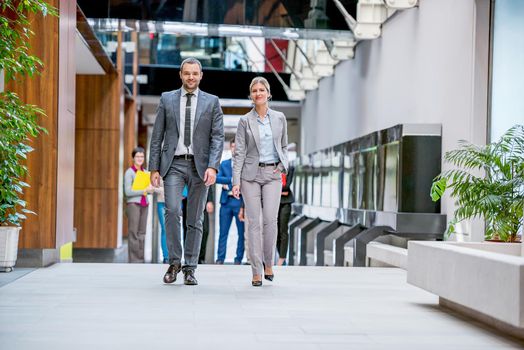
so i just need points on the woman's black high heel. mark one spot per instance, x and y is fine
(268, 277)
(256, 283)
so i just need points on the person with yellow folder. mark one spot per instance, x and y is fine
(136, 187)
(141, 181)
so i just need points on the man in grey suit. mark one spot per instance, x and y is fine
(186, 147)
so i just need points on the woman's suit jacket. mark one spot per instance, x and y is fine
(247, 143)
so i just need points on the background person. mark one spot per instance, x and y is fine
(137, 206)
(229, 209)
(284, 212)
(209, 209)
(160, 209)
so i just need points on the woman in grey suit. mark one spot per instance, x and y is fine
(258, 163)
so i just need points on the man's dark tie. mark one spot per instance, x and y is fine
(187, 126)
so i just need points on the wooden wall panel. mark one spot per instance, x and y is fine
(42, 90)
(130, 131)
(95, 97)
(97, 221)
(97, 157)
(236, 110)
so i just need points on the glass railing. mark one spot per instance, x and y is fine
(309, 14)
(222, 53)
(390, 170)
(233, 53)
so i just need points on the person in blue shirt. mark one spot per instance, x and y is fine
(229, 209)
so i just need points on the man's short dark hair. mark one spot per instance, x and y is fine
(138, 150)
(231, 139)
(191, 60)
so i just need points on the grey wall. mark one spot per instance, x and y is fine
(429, 66)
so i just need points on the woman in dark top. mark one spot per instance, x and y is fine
(284, 212)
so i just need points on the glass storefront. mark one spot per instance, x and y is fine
(507, 104)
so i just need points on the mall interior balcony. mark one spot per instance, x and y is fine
(388, 133)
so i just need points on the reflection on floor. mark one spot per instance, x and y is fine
(125, 306)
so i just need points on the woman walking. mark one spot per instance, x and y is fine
(259, 161)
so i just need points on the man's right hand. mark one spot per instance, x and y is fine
(155, 178)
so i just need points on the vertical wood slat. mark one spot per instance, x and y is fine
(129, 143)
(121, 119)
(130, 122)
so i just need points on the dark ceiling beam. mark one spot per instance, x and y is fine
(93, 43)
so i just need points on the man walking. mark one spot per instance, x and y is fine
(229, 209)
(186, 146)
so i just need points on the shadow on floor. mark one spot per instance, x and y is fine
(8, 277)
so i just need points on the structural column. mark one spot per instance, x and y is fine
(51, 164)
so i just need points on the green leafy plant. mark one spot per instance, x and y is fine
(18, 120)
(498, 195)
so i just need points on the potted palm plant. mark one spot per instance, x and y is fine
(497, 195)
(18, 120)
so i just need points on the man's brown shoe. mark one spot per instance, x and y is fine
(189, 278)
(170, 275)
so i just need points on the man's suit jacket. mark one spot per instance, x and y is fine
(207, 138)
(247, 142)
(225, 177)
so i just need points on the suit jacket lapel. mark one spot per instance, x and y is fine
(200, 108)
(176, 108)
(253, 125)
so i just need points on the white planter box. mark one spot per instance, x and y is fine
(8, 247)
(484, 280)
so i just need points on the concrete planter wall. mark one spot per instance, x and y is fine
(8, 247)
(483, 280)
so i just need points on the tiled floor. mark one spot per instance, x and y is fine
(121, 306)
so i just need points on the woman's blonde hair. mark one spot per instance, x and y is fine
(263, 81)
